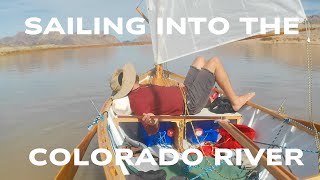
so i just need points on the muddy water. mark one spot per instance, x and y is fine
(45, 96)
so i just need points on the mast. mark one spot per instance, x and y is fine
(158, 77)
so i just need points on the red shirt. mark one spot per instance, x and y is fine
(159, 100)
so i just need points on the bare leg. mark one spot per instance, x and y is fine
(199, 62)
(214, 65)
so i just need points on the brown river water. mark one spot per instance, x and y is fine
(45, 96)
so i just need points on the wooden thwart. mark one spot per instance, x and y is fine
(164, 118)
(180, 123)
(279, 172)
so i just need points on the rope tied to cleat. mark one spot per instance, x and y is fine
(95, 121)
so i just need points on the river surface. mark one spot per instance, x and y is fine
(45, 96)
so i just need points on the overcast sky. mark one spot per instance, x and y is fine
(13, 13)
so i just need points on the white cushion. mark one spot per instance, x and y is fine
(122, 106)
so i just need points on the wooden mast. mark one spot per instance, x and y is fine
(158, 75)
(159, 78)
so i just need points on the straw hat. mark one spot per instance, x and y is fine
(122, 81)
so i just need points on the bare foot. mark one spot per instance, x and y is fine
(241, 100)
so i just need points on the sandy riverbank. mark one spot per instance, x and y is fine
(294, 39)
(5, 50)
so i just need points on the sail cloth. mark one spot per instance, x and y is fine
(167, 47)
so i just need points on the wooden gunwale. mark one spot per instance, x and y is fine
(179, 121)
(111, 171)
(283, 117)
(315, 177)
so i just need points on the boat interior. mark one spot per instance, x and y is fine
(273, 130)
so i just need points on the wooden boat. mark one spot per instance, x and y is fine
(295, 134)
(273, 128)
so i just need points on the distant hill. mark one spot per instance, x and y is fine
(22, 39)
(314, 19)
(143, 38)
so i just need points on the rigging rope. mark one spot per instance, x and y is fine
(277, 135)
(285, 147)
(140, 3)
(281, 108)
(309, 71)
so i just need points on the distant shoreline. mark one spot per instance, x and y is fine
(7, 50)
(267, 39)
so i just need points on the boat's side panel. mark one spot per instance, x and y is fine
(271, 130)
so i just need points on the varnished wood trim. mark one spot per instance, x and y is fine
(176, 119)
(163, 117)
(282, 117)
(316, 177)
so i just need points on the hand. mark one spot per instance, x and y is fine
(150, 121)
(181, 85)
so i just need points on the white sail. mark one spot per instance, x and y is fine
(168, 47)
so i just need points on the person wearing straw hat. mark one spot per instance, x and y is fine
(149, 100)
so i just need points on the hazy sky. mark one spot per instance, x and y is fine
(13, 13)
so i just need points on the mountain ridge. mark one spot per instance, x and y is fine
(22, 39)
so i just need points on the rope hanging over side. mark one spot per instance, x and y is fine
(309, 68)
(310, 102)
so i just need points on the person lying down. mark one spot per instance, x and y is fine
(149, 100)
